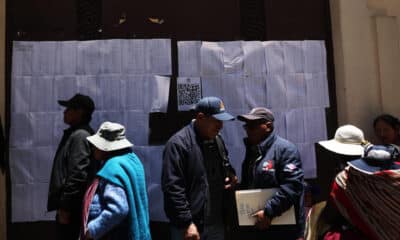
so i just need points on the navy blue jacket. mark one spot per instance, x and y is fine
(184, 179)
(278, 166)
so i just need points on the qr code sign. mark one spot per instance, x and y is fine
(188, 93)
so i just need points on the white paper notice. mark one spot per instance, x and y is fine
(111, 56)
(44, 58)
(308, 158)
(250, 201)
(315, 56)
(134, 91)
(254, 58)
(22, 58)
(188, 92)
(211, 86)
(315, 124)
(295, 90)
(233, 56)
(295, 126)
(233, 93)
(133, 56)
(189, 58)
(66, 55)
(317, 89)
(89, 57)
(276, 91)
(39, 101)
(109, 92)
(158, 56)
(159, 93)
(212, 59)
(21, 94)
(293, 56)
(274, 57)
(137, 129)
(65, 87)
(255, 91)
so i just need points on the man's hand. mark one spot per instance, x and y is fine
(63, 216)
(262, 222)
(230, 182)
(191, 233)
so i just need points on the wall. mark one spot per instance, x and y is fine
(367, 60)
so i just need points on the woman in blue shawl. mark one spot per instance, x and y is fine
(115, 204)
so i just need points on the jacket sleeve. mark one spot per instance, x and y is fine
(78, 169)
(173, 183)
(114, 210)
(290, 176)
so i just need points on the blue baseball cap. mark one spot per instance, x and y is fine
(377, 158)
(213, 106)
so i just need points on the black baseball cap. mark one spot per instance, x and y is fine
(79, 101)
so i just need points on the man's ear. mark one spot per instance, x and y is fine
(200, 115)
(269, 127)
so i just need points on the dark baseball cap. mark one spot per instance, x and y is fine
(79, 101)
(215, 107)
(257, 113)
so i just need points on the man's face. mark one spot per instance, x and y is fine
(257, 130)
(208, 126)
(73, 116)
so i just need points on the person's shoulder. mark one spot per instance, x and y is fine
(80, 133)
(286, 144)
(181, 137)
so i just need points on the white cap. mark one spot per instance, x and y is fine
(348, 140)
(110, 137)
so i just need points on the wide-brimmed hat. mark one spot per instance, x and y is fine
(213, 106)
(377, 158)
(348, 140)
(110, 137)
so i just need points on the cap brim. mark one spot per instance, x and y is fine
(248, 117)
(223, 116)
(63, 103)
(342, 148)
(108, 146)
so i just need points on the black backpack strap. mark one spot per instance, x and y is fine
(226, 165)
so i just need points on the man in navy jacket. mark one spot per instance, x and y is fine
(272, 162)
(196, 174)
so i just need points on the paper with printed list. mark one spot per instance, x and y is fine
(249, 202)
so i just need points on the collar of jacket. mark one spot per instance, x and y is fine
(82, 126)
(265, 144)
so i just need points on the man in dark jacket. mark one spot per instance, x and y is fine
(72, 167)
(272, 162)
(196, 172)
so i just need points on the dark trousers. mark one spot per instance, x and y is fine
(69, 231)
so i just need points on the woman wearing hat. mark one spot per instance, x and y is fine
(387, 129)
(115, 204)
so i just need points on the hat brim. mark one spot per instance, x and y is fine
(342, 148)
(223, 116)
(63, 103)
(248, 117)
(108, 146)
(361, 165)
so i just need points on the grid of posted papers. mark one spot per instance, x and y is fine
(128, 79)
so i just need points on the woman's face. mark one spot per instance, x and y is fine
(386, 133)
